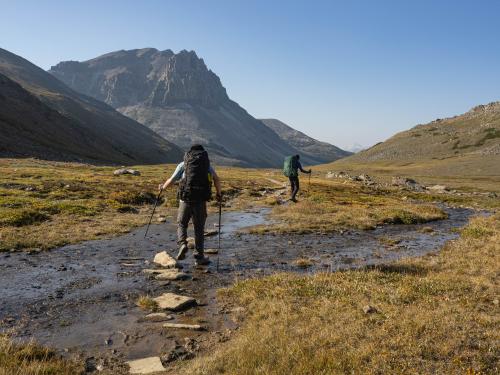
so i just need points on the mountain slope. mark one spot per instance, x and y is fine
(42, 117)
(321, 152)
(468, 144)
(180, 99)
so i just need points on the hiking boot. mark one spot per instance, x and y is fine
(182, 252)
(202, 260)
(293, 200)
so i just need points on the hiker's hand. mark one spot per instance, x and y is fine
(219, 197)
(310, 171)
(160, 187)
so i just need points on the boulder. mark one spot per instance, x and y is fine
(146, 365)
(120, 172)
(165, 260)
(211, 251)
(369, 309)
(174, 302)
(407, 183)
(437, 188)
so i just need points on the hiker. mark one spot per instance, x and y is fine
(195, 175)
(291, 170)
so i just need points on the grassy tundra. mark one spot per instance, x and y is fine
(46, 204)
(437, 314)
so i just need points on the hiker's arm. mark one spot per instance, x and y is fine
(217, 183)
(302, 170)
(174, 178)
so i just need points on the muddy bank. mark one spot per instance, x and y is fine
(81, 298)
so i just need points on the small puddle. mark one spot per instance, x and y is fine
(82, 297)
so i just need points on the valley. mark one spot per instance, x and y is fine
(81, 299)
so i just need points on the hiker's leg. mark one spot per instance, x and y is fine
(199, 219)
(183, 216)
(295, 187)
(292, 186)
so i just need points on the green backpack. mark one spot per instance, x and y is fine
(289, 169)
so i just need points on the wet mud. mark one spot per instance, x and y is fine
(82, 298)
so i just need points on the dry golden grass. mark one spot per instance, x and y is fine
(438, 314)
(32, 359)
(475, 172)
(303, 262)
(147, 303)
(332, 205)
(48, 204)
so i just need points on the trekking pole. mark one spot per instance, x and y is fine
(154, 208)
(220, 218)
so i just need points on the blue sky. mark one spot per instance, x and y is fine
(342, 71)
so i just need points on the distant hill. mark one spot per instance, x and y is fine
(42, 117)
(468, 144)
(319, 152)
(178, 97)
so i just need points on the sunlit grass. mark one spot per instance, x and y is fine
(437, 314)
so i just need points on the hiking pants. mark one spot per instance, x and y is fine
(197, 211)
(294, 184)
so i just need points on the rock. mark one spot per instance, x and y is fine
(174, 302)
(369, 309)
(165, 260)
(194, 327)
(120, 172)
(407, 183)
(157, 317)
(171, 274)
(211, 232)
(162, 219)
(437, 188)
(190, 242)
(211, 251)
(146, 365)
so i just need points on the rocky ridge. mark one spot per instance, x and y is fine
(41, 117)
(178, 97)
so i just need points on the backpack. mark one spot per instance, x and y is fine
(195, 186)
(289, 167)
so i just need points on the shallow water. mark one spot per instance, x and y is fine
(82, 297)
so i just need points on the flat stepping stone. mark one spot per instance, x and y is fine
(211, 232)
(157, 317)
(193, 327)
(165, 260)
(146, 366)
(171, 274)
(211, 251)
(174, 302)
(166, 274)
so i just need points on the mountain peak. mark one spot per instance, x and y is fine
(159, 78)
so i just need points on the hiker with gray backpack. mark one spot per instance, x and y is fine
(291, 169)
(195, 176)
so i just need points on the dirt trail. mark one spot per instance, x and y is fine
(81, 298)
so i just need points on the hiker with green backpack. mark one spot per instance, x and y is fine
(291, 170)
(195, 176)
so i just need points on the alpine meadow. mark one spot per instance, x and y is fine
(249, 188)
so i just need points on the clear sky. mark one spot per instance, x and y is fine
(342, 71)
